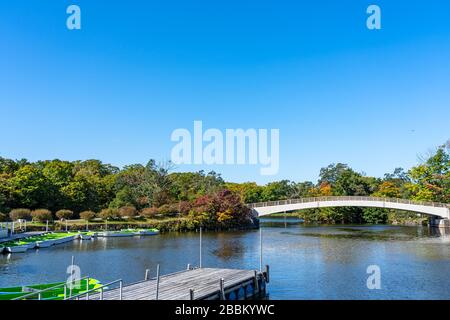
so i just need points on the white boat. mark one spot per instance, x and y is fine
(65, 239)
(115, 234)
(31, 245)
(45, 243)
(17, 249)
(146, 232)
(85, 237)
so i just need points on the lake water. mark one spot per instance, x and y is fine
(306, 262)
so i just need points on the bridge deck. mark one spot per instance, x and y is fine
(205, 282)
(433, 209)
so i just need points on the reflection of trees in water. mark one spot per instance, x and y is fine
(229, 247)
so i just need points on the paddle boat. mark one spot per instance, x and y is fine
(146, 232)
(16, 247)
(55, 292)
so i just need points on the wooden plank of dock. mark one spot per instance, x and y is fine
(204, 281)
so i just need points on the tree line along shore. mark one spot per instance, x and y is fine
(152, 195)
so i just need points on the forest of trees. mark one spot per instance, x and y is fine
(91, 188)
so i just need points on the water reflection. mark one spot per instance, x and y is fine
(307, 262)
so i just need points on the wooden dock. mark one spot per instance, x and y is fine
(192, 284)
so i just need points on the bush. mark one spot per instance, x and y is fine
(127, 211)
(16, 214)
(168, 209)
(150, 212)
(109, 213)
(3, 217)
(87, 215)
(64, 214)
(184, 207)
(42, 215)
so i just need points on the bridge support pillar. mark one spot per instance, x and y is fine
(439, 222)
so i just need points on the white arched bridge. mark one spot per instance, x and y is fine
(439, 212)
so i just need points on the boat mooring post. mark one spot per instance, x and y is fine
(260, 249)
(157, 281)
(46, 226)
(147, 271)
(71, 277)
(87, 288)
(200, 247)
(222, 289)
(256, 283)
(188, 266)
(191, 294)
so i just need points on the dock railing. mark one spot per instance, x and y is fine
(346, 198)
(99, 291)
(39, 293)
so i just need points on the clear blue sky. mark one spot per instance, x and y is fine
(137, 70)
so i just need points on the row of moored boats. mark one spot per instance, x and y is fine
(54, 238)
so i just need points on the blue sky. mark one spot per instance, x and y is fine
(116, 89)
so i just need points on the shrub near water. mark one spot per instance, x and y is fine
(20, 214)
(87, 215)
(149, 212)
(64, 214)
(168, 209)
(109, 213)
(127, 211)
(42, 215)
(3, 217)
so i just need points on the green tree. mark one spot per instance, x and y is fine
(431, 179)
(278, 190)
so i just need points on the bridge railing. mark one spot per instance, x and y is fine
(346, 198)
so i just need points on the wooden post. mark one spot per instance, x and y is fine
(260, 249)
(147, 271)
(267, 273)
(188, 266)
(256, 283)
(191, 294)
(157, 282)
(222, 289)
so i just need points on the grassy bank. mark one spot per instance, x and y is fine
(163, 225)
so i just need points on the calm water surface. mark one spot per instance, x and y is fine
(306, 262)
